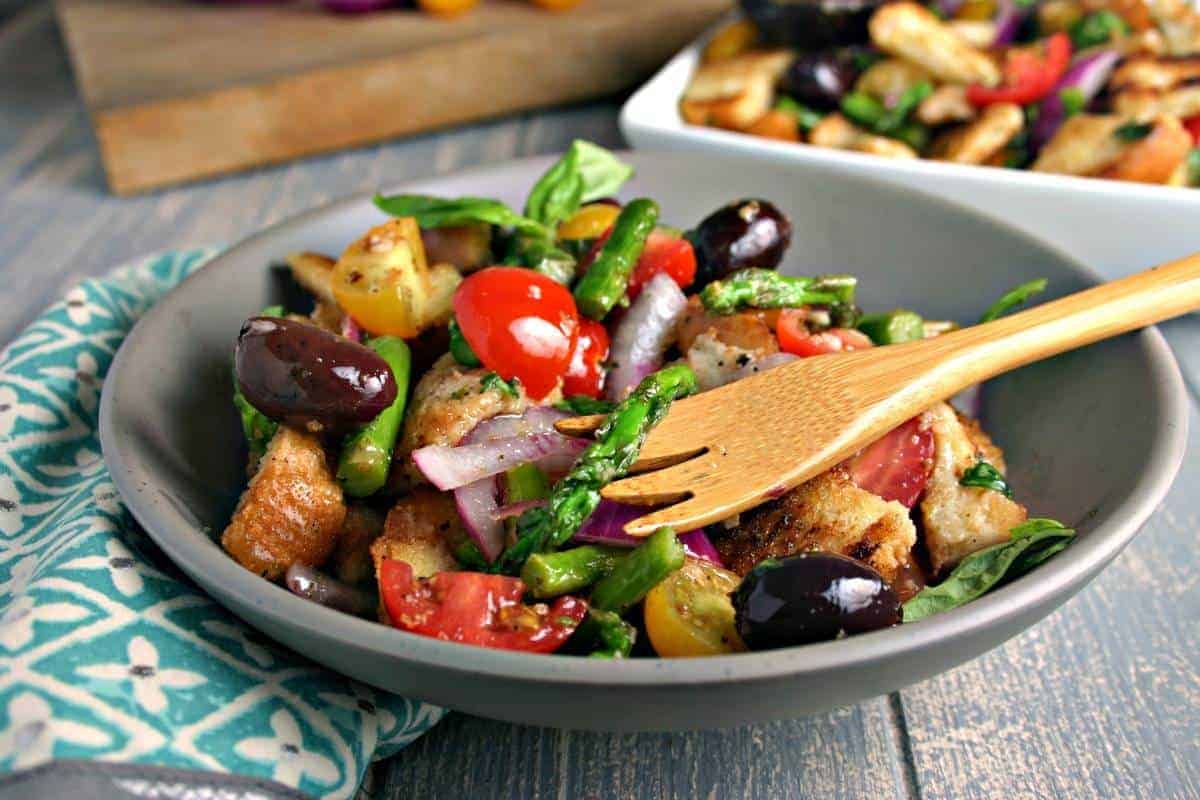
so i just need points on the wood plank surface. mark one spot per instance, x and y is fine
(1100, 700)
(180, 90)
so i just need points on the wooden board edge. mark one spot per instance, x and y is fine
(227, 130)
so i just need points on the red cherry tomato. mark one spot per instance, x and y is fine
(520, 324)
(667, 254)
(585, 375)
(663, 253)
(476, 608)
(898, 466)
(1028, 76)
(1193, 127)
(794, 336)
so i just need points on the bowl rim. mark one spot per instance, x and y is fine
(191, 548)
(642, 114)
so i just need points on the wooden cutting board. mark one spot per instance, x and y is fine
(182, 90)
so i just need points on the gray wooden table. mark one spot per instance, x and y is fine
(1100, 700)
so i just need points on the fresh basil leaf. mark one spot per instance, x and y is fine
(441, 212)
(1133, 131)
(1029, 544)
(603, 173)
(493, 382)
(583, 406)
(1013, 298)
(586, 172)
(983, 475)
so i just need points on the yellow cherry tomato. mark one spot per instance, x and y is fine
(589, 222)
(384, 283)
(732, 40)
(976, 10)
(446, 8)
(691, 614)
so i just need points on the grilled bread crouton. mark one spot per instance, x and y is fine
(837, 132)
(717, 347)
(418, 531)
(913, 32)
(291, 511)
(958, 520)
(828, 513)
(1085, 144)
(947, 104)
(449, 401)
(978, 141)
(735, 92)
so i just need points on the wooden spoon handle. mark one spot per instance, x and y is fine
(975, 354)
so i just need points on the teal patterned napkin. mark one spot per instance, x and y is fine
(106, 651)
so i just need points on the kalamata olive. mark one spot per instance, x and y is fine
(811, 24)
(812, 597)
(748, 233)
(819, 79)
(305, 376)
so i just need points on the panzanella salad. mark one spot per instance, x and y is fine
(404, 462)
(1094, 88)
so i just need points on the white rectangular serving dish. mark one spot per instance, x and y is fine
(1114, 226)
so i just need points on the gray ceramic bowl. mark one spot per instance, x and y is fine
(1093, 438)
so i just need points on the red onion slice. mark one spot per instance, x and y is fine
(644, 335)
(539, 419)
(477, 504)
(451, 467)
(606, 526)
(351, 330)
(1088, 74)
(1009, 17)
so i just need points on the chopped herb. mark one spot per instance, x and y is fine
(1133, 131)
(493, 382)
(983, 475)
(460, 348)
(806, 118)
(582, 405)
(1013, 298)
(1073, 100)
(1097, 28)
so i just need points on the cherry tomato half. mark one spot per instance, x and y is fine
(795, 338)
(690, 612)
(476, 608)
(1193, 127)
(664, 253)
(1028, 75)
(585, 375)
(520, 324)
(898, 466)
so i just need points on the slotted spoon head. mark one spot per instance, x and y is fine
(734, 447)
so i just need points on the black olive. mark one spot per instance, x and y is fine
(811, 24)
(297, 373)
(819, 79)
(748, 233)
(812, 597)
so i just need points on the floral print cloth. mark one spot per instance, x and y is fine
(106, 651)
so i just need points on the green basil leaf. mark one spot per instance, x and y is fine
(583, 406)
(1133, 131)
(983, 475)
(586, 172)
(1013, 298)
(442, 212)
(1029, 544)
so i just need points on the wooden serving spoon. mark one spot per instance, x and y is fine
(736, 446)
